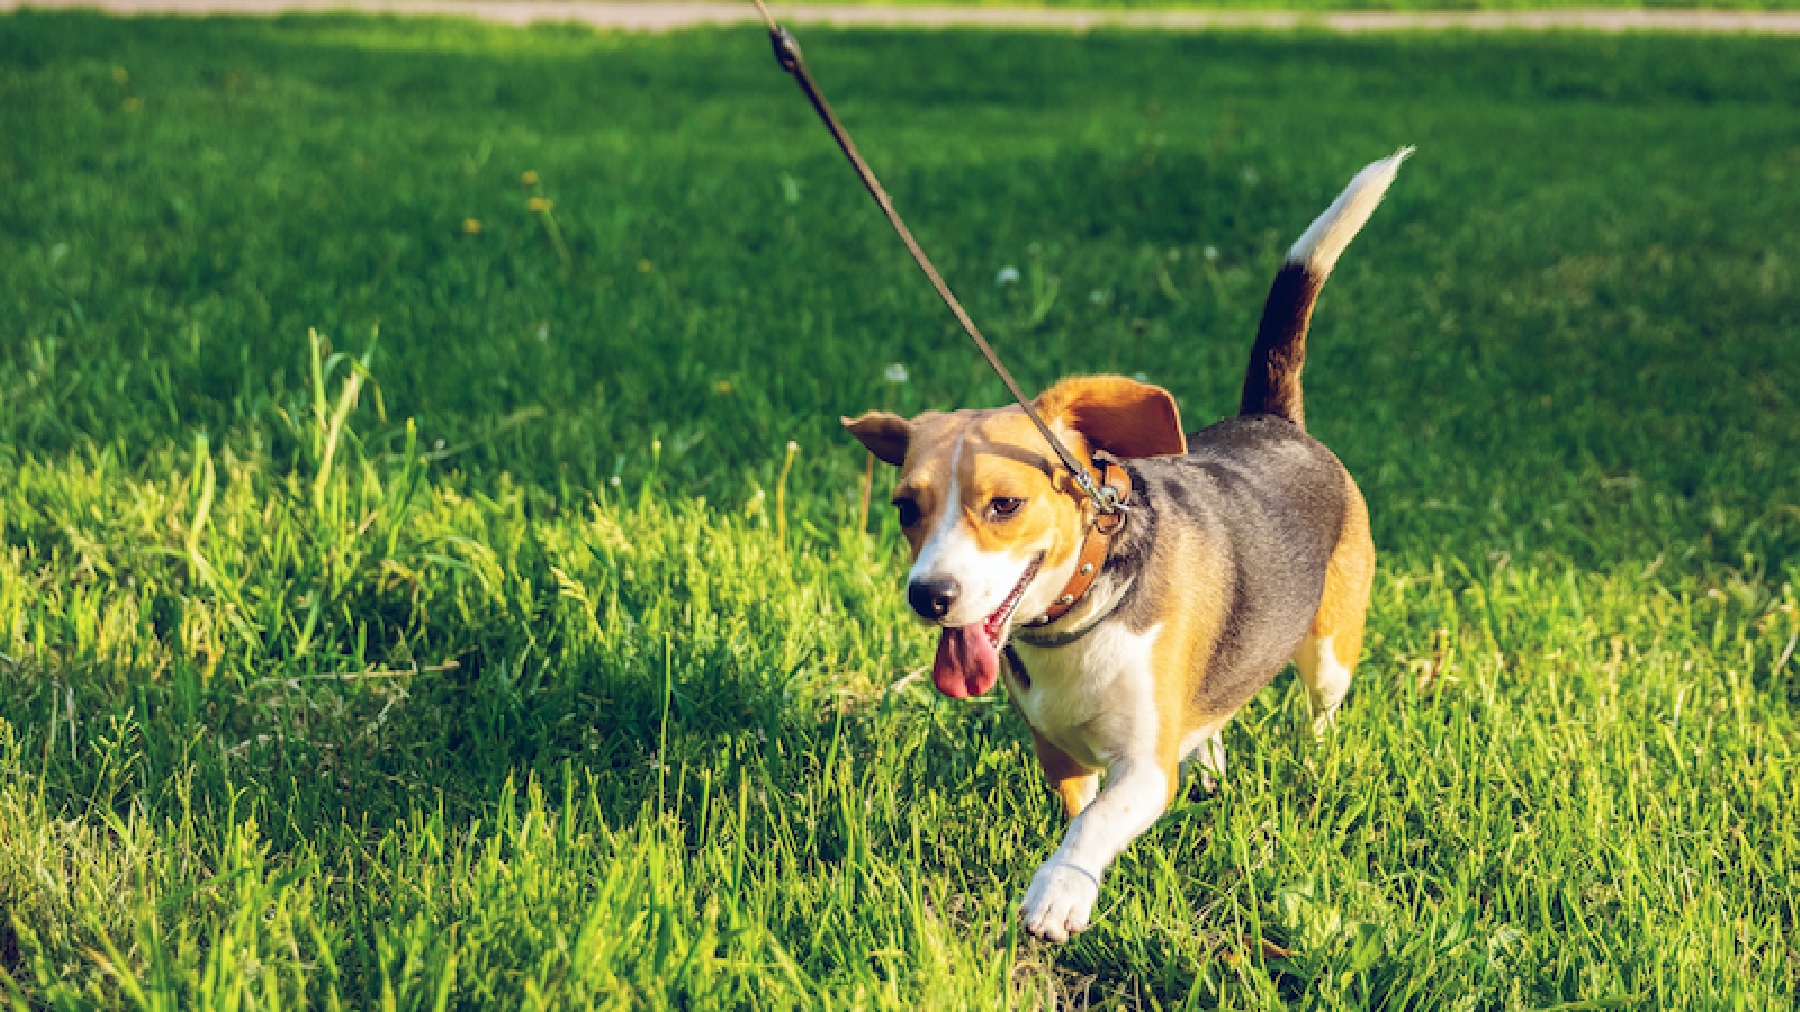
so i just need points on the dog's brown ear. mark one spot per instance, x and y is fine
(886, 435)
(1119, 415)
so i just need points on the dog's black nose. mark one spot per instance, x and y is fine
(932, 598)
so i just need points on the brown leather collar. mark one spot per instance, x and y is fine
(1094, 545)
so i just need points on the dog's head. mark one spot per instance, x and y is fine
(994, 519)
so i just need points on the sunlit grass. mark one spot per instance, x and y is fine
(398, 613)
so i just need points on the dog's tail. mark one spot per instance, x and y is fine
(1272, 383)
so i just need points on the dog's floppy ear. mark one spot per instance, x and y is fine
(1119, 415)
(886, 435)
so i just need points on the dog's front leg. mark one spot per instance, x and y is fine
(1063, 892)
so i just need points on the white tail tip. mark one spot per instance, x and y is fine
(1324, 241)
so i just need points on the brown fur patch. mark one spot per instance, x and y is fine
(1002, 455)
(1348, 577)
(1122, 416)
(1067, 777)
(885, 434)
(1191, 611)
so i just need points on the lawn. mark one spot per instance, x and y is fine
(414, 596)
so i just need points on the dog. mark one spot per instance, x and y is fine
(1243, 546)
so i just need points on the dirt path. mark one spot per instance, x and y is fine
(659, 17)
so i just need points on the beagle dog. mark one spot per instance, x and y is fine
(1130, 640)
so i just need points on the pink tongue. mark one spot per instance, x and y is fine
(966, 664)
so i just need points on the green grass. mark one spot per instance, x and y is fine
(502, 660)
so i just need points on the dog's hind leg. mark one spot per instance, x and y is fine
(1204, 750)
(1333, 644)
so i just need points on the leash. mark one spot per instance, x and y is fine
(1106, 499)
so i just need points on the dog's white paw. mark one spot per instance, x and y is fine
(1060, 901)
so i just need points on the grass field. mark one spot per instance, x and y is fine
(496, 648)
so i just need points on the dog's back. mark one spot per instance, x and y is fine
(1274, 500)
(1296, 559)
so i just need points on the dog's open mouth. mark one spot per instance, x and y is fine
(996, 622)
(968, 657)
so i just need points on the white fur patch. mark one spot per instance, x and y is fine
(1096, 700)
(1061, 899)
(1326, 680)
(983, 578)
(1204, 749)
(1321, 244)
(1060, 902)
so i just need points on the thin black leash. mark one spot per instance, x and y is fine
(1106, 499)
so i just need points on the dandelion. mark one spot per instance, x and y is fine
(895, 373)
(614, 481)
(121, 76)
(133, 104)
(722, 387)
(1008, 275)
(471, 226)
(541, 207)
(528, 177)
(645, 266)
(1212, 252)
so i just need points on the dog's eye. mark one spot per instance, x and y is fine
(908, 510)
(1002, 506)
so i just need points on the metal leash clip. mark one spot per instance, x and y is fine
(1111, 508)
(1108, 501)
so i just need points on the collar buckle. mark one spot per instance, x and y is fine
(1111, 506)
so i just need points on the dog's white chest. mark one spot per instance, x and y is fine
(1094, 698)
